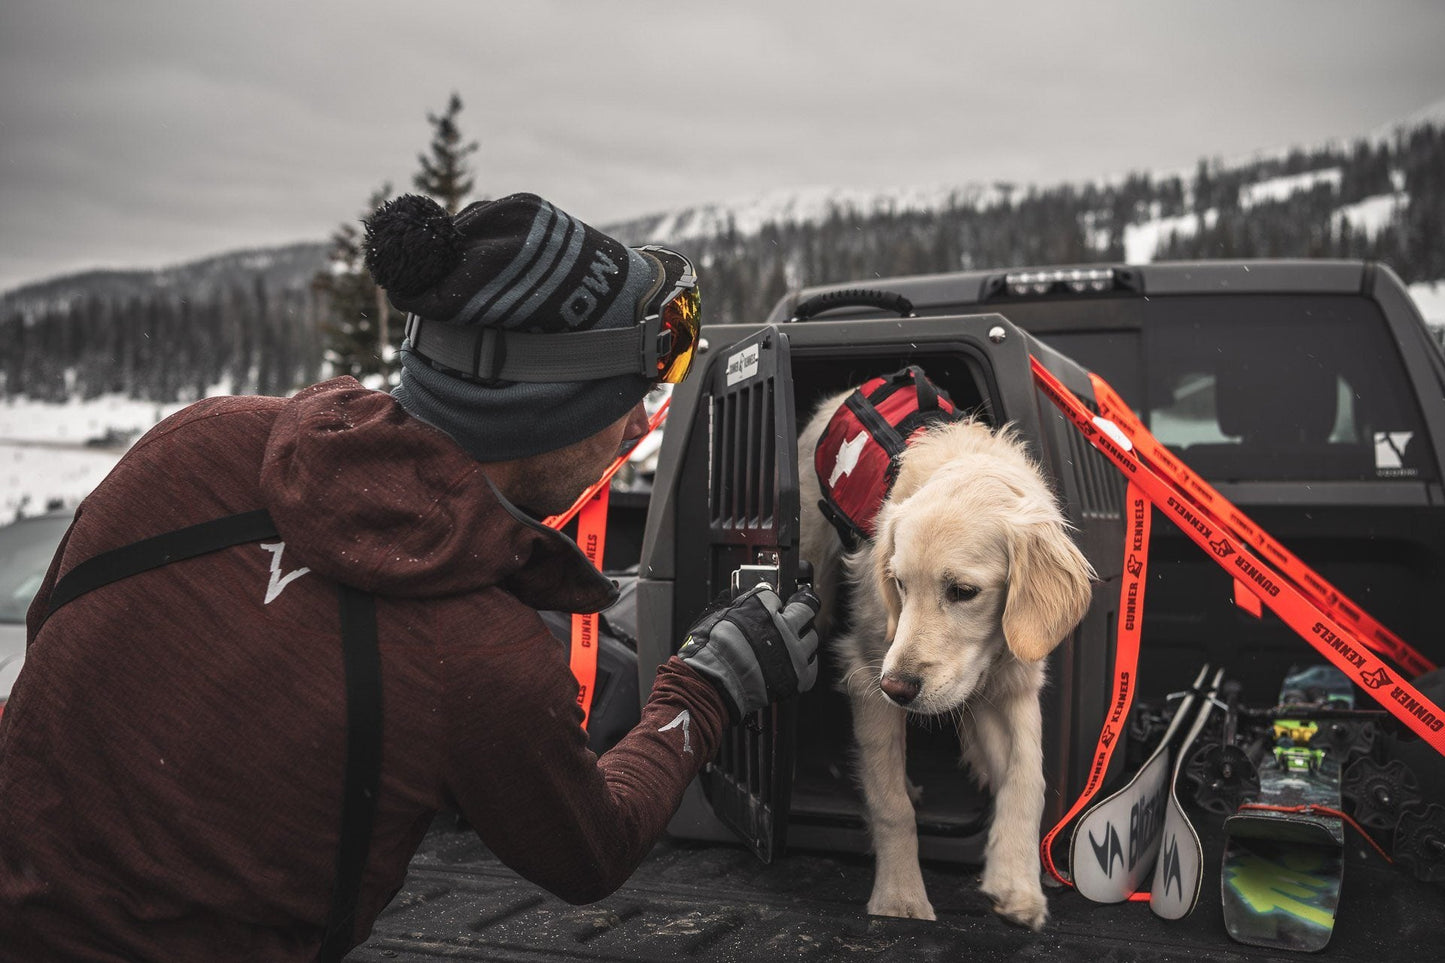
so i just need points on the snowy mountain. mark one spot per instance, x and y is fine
(799, 206)
(287, 267)
(1380, 196)
(293, 265)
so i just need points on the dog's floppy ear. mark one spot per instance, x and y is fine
(882, 556)
(1048, 589)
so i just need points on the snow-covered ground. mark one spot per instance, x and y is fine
(58, 452)
(47, 454)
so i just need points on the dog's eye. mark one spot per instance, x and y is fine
(898, 584)
(962, 593)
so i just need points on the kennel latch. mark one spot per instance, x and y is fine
(745, 577)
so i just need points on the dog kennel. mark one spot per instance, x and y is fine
(724, 511)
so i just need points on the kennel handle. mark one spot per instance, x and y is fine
(853, 298)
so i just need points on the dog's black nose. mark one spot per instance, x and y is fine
(902, 689)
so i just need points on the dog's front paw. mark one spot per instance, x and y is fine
(900, 902)
(1023, 904)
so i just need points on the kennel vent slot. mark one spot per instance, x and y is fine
(1101, 487)
(745, 459)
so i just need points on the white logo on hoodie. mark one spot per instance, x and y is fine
(278, 581)
(684, 719)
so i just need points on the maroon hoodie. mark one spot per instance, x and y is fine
(171, 758)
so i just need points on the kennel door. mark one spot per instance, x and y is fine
(753, 536)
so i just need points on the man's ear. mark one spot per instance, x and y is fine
(882, 571)
(1048, 589)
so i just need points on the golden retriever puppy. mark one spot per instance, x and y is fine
(970, 581)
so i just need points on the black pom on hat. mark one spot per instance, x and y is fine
(515, 264)
(411, 244)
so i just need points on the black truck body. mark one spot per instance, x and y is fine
(1308, 393)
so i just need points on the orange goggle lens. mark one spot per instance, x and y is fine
(681, 317)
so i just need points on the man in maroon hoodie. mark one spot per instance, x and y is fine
(181, 750)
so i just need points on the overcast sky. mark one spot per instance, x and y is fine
(148, 132)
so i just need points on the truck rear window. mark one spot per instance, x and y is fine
(1266, 388)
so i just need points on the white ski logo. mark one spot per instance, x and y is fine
(279, 581)
(684, 719)
(848, 453)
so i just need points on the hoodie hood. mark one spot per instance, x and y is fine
(367, 495)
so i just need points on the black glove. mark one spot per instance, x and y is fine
(756, 650)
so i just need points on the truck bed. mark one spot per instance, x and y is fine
(714, 902)
(1370, 523)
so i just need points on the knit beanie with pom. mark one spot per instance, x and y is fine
(517, 264)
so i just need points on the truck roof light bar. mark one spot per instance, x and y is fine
(1071, 280)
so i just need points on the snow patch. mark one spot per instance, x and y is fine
(76, 421)
(1429, 297)
(1280, 188)
(56, 453)
(1371, 215)
(1142, 241)
(33, 479)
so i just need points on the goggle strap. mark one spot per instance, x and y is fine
(493, 354)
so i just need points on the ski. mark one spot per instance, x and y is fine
(1104, 869)
(1179, 869)
(1283, 854)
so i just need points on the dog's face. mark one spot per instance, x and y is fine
(974, 566)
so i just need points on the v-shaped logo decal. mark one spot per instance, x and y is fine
(684, 719)
(278, 581)
(1107, 849)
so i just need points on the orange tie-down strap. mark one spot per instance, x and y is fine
(1339, 629)
(1126, 665)
(1278, 590)
(590, 510)
(592, 538)
(1309, 582)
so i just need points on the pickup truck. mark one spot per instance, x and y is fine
(1309, 393)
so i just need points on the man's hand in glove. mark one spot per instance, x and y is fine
(756, 650)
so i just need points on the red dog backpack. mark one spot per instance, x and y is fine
(857, 456)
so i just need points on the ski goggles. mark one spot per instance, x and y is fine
(660, 347)
(676, 318)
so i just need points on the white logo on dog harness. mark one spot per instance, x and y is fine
(278, 581)
(684, 719)
(848, 453)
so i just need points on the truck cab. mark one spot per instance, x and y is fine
(1308, 393)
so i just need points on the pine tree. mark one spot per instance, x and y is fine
(444, 174)
(361, 330)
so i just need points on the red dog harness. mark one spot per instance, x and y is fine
(857, 456)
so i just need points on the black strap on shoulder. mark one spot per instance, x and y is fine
(159, 550)
(362, 662)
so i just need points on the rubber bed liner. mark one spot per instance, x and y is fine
(710, 902)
